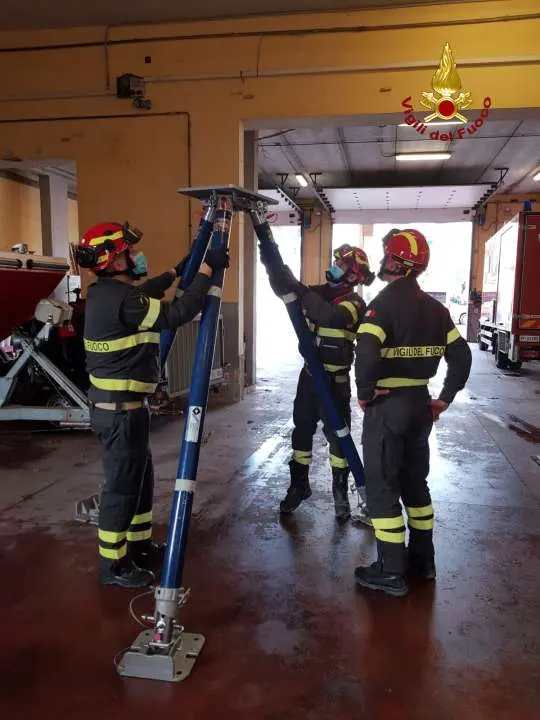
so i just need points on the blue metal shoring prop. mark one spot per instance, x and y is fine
(166, 652)
(308, 349)
(197, 252)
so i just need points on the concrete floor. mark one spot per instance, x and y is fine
(287, 634)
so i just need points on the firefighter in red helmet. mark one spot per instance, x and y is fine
(404, 335)
(123, 321)
(333, 312)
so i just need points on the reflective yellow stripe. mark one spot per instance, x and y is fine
(338, 462)
(341, 378)
(412, 242)
(140, 535)
(336, 333)
(413, 351)
(421, 524)
(302, 457)
(118, 385)
(400, 382)
(140, 519)
(109, 536)
(372, 329)
(110, 554)
(335, 368)
(418, 512)
(103, 346)
(311, 325)
(102, 238)
(152, 315)
(393, 523)
(351, 307)
(390, 537)
(452, 336)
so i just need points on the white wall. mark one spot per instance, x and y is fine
(277, 344)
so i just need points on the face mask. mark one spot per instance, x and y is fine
(334, 274)
(140, 265)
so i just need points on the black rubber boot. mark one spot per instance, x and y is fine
(124, 573)
(421, 554)
(147, 554)
(422, 567)
(387, 574)
(299, 489)
(340, 491)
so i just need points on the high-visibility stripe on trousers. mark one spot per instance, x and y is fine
(140, 528)
(421, 518)
(112, 545)
(389, 530)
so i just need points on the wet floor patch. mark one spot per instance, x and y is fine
(525, 430)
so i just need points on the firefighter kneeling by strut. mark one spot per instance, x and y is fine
(122, 331)
(401, 340)
(333, 312)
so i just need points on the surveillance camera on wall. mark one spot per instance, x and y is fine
(132, 87)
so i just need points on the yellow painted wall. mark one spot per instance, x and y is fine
(129, 166)
(20, 215)
(316, 247)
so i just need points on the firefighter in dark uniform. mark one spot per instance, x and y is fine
(333, 313)
(404, 335)
(122, 331)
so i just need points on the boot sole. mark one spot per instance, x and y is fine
(428, 577)
(394, 592)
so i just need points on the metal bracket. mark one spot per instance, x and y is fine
(87, 510)
(172, 664)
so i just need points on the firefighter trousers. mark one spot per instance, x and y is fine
(395, 441)
(125, 512)
(308, 411)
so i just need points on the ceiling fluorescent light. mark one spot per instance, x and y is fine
(301, 180)
(536, 177)
(423, 157)
(443, 122)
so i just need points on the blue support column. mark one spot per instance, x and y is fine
(194, 423)
(198, 250)
(309, 351)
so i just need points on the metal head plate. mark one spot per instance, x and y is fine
(242, 199)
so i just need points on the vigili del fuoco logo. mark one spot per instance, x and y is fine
(446, 102)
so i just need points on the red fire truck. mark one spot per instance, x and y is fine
(510, 315)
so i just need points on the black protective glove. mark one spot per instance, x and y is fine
(182, 265)
(217, 259)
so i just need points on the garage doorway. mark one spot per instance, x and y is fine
(277, 344)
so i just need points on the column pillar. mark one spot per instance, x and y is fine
(316, 245)
(250, 264)
(53, 192)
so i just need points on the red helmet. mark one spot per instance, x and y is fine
(404, 251)
(103, 243)
(353, 260)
